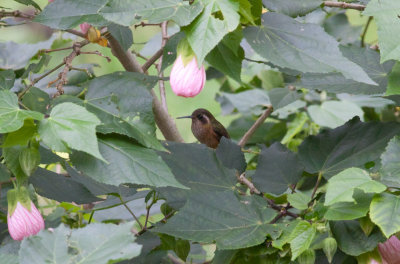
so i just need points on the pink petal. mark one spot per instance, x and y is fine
(84, 27)
(390, 251)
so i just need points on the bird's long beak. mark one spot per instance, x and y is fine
(184, 117)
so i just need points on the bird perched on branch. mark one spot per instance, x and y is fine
(206, 128)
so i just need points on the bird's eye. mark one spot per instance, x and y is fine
(200, 116)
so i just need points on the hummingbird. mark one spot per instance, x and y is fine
(206, 128)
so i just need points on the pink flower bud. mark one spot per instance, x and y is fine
(187, 80)
(24, 222)
(390, 251)
(51, 1)
(84, 27)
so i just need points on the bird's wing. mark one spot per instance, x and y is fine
(220, 131)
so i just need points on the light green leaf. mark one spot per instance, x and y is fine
(385, 13)
(218, 19)
(231, 223)
(129, 12)
(393, 86)
(299, 200)
(22, 135)
(66, 14)
(96, 243)
(341, 186)
(290, 44)
(385, 213)
(295, 127)
(70, 126)
(128, 163)
(7, 79)
(301, 237)
(292, 8)
(334, 113)
(390, 169)
(11, 116)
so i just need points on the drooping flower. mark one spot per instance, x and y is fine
(187, 78)
(390, 251)
(23, 218)
(84, 27)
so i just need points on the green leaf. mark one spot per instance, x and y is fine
(231, 223)
(4, 173)
(292, 8)
(299, 200)
(36, 100)
(295, 127)
(95, 243)
(29, 2)
(367, 59)
(122, 34)
(339, 27)
(21, 136)
(7, 79)
(341, 186)
(350, 210)
(70, 126)
(228, 55)
(393, 86)
(281, 97)
(277, 169)
(11, 116)
(250, 101)
(11, 157)
(66, 14)
(390, 169)
(169, 51)
(231, 155)
(351, 145)
(385, 213)
(334, 113)
(129, 12)
(385, 14)
(60, 188)
(128, 163)
(301, 237)
(218, 18)
(123, 103)
(36, 67)
(290, 44)
(29, 159)
(352, 240)
(245, 11)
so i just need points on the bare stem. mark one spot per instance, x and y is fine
(53, 50)
(15, 13)
(344, 5)
(153, 59)
(243, 180)
(76, 32)
(161, 84)
(254, 127)
(130, 211)
(96, 52)
(316, 185)
(365, 31)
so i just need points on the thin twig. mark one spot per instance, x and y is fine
(76, 32)
(161, 84)
(365, 31)
(153, 59)
(243, 180)
(130, 211)
(277, 217)
(316, 185)
(142, 24)
(344, 5)
(253, 128)
(140, 55)
(53, 50)
(82, 70)
(15, 13)
(96, 52)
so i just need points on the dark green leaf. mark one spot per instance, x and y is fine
(70, 126)
(4, 173)
(11, 157)
(7, 79)
(385, 212)
(290, 44)
(231, 155)
(22, 135)
(218, 18)
(350, 145)
(281, 97)
(390, 163)
(351, 238)
(230, 222)
(36, 67)
(29, 2)
(36, 100)
(128, 163)
(339, 27)
(367, 59)
(11, 116)
(122, 34)
(292, 8)
(169, 51)
(60, 188)
(393, 85)
(250, 101)
(277, 169)
(127, 13)
(66, 14)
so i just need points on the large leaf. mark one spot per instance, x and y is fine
(60, 188)
(218, 18)
(342, 186)
(334, 113)
(246, 102)
(390, 169)
(350, 145)
(128, 12)
(339, 27)
(122, 34)
(70, 126)
(301, 237)
(127, 163)
(292, 8)
(230, 222)
(122, 102)
(290, 44)
(352, 240)
(65, 14)
(95, 243)
(231, 155)
(277, 169)
(386, 13)
(11, 116)
(385, 212)
(367, 59)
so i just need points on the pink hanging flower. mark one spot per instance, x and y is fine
(390, 251)
(187, 80)
(84, 27)
(23, 218)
